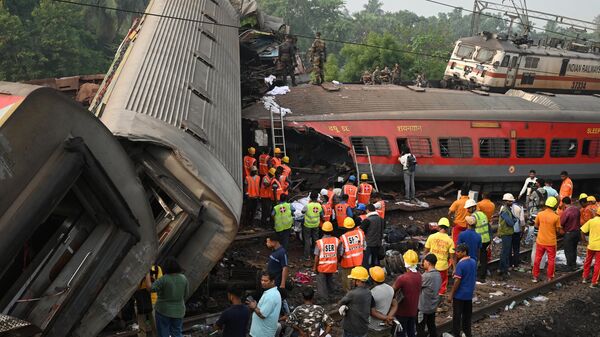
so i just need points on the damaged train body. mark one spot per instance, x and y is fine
(455, 135)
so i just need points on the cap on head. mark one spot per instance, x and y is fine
(361, 207)
(349, 223)
(377, 274)
(470, 203)
(352, 178)
(272, 171)
(323, 192)
(582, 196)
(251, 150)
(411, 258)
(359, 273)
(591, 198)
(364, 176)
(277, 150)
(286, 159)
(508, 197)
(327, 227)
(551, 202)
(444, 222)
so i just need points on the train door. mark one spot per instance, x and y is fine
(402, 143)
(563, 67)
(511, 72)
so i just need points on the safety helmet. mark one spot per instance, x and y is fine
(323, 192)
(470, 219)
(470, 203)
(364, 176)
(349, 223)
(253, 169)
(361, 207)
(444, 222)
(410, 258)
(352, 178)
(582, 196)
(377, 274)
(286, 159)
(551, 202)
(277, 150)
(591, 198)
(508, 197)
(251, 150)
(327, 227)
(272, 171)
(359, 273)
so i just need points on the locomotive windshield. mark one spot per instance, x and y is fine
(484, 55)
(465, 51)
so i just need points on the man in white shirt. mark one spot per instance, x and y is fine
(382, 314)
(529, 184)
(409, 163)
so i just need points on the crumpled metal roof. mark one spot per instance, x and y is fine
(356, 102)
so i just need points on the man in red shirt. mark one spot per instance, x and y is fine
(410, 285)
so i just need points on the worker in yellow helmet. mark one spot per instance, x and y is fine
(327, 252)
(548, 224)
(364, 190)
(409, 284)
(276, 159)
(353, 245)
(382, 318)
(285, 164)
(249, 161)
(355, 306)
(442, 246)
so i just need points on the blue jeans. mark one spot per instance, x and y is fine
(505, 254)
(349, 334)
(167, 326)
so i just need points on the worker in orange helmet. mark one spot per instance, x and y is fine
(276, 159)
(249, 161)
(364, 190)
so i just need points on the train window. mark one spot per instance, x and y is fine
(563, 147)
(420, 146)
(528, 78)
(378, 146)
(591, 147)
(531, 148)
(484, 55)
(494, 147)
(531, 62)
(513, 62)
(456, 147)
(505, 61)
(465, 51)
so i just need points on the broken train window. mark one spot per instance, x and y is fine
(378, 146)
(563, 147)
(456, 147)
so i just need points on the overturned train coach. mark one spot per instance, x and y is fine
(91, 199)
(455, 135)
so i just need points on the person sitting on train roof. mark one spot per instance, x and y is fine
(529, 185)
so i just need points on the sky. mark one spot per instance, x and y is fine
(578, 9)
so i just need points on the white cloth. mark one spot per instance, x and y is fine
(404, 160)
(527, 182)
(270, 105)
(269, 80)
(279, 91)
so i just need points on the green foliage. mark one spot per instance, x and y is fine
(332, 68)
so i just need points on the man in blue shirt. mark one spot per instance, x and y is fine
(265, 314)
(471, 238)
(278, 262)
(461, 296)
(234, 320)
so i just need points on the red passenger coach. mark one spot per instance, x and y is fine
(458, 135)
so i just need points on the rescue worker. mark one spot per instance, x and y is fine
(379, 205)
(360, 214)
(318, 57)
(327, 209)
(566, 187)
(582, 204)
(327, 253)
(342, 211)
(266, 197)
(506, 229)
(364, 190)
(384, 306)
(252, 185)
(353, 246)
(313, 213)
(355, 307)
(287, 60)
(330, 193)
(351, 191)
(590, 209)
(548, 224)
(263, 162)
(285, 162)
(486, 206)
(458, 209)
(284, 181)
(278, 185)
(442, 246)
(276, 159)
(592, 228)
(283, 219)
(482, 227)
(249, 161)
(373, 227)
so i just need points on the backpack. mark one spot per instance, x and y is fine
(411, 163)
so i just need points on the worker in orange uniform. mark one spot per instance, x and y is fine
(353, 246)
(592, 228)
(329, 192)
(458, 208)
(285, 162)
(364, 190)
(284, 180)
(351, 191)
(566, 187)
(252, 188)
(327, 252)
(276, 159)
(548, 224)
(442, 246)
(263, 162)
(486, 206)
(249, 161)
(582, 205)
(327, 208)
(266, 197)
(278, 186)
(589, 212)
(379, 204)
(342, 211)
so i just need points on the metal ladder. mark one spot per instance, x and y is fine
(277, 132)
(370, 166)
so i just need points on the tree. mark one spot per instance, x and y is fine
(10, 44)
(331, 68)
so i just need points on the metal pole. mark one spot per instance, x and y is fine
(371, 167)
(355, 161)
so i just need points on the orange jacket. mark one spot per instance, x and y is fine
(263, 164)
(364, 193)
(327, 210)
(328, 248)
(566, 189)
(341, 213)
(354, 245)
(249, 161)
(381, 211)
(266, 189)
(352, 192)
(253, 186)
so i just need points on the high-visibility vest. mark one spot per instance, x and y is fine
(364, 193)
(283, 217)
(341, 213)
(328, 248)
(326, 212)
(249, 161)
(353, 242)
(482, 227)
(253, 186)
(266, 189)
(312, 215)
(352, 192)
(381, 211)
(330, 196)
(263, 164)
(275, 162)
(279, 190)
(284, 183)
(286, 170)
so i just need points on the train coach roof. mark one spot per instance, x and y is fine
(358, 102)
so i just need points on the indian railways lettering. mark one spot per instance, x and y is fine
(593, 131)
(413, 128)
(584, 68)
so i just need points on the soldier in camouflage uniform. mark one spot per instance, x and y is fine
(396, 74)
(386, 75)
(287, 59)
(376, 78)
(318, 57)
(366, 78)
(308, 319)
